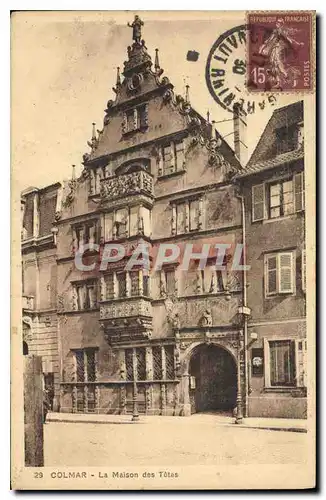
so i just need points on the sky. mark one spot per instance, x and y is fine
(63, 69)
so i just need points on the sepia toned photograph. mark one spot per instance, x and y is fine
(163, 250)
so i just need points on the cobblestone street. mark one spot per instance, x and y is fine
(166, 441)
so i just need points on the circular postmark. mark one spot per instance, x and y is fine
(226, 73)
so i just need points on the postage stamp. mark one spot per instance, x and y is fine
(280, 52)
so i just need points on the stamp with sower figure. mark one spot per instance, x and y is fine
(280, 51)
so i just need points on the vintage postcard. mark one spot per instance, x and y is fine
(163, 250)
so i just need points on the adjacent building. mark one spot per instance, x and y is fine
(170, 342)
(39, 281)
(273, 188)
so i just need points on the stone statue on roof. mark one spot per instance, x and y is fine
(136, 29)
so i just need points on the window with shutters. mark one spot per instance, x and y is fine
(278, 199)
(279, 273)
(303, 269)
(85, 234)
(168, 160)
(181, 218)
(121, 223)
(91, 298)
(258, 202)
(194, 212)
(285, 363)
(170, 281)
(85, 295)
(187, 216)
(282, 362)
(302, 363)
(135, 119)
(299, 192)
(172, 158)
(81, 297)
(280, 196)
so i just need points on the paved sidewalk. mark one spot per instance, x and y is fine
(276, 424)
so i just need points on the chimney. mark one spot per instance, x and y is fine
(240, 135)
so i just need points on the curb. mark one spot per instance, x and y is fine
(128, 422)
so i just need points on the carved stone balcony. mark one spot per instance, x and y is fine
(135, 183)
(126, 320)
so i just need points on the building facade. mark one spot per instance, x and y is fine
(167, 341)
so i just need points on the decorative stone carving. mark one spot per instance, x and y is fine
(127, 184)
(167, 96)
(176, 322)
(206, 319)
(60, 303)
(139, 307)
(148, 396)
(71, 194)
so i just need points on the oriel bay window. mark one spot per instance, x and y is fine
(278, 199)
(120, 284)
(121, 223)
(127, 221)
(168, 284)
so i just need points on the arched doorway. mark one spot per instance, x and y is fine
(213, 379)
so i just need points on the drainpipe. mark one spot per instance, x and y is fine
(244, 309)
(245, 316)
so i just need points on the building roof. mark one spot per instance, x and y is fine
(264, 156)
(272, 163)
